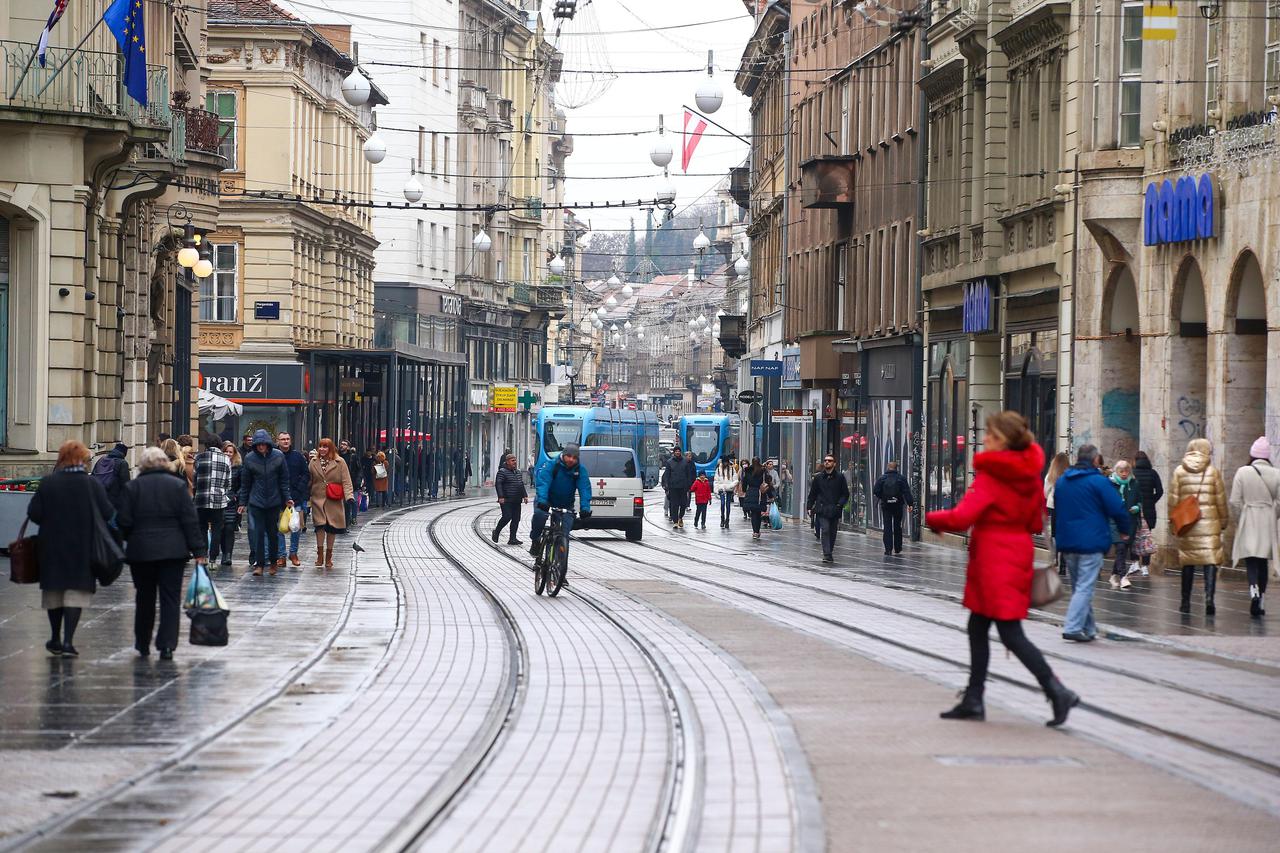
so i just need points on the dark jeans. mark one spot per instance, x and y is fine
(1120, 567)
(265, 546)
(1256, 568)
(1014, 640)
(892, 527)
(211, 527)
(756, 515)
(538, 521)
(726, 507)
(827, 528)
(163, 577)
(700, 515)
(510, 513)
(230, 526)
(679, 499)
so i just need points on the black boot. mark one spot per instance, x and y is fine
(970, 707)
(1255, 606)
(494, 535)
(1062, 699)
(1188, 581)
(1210, 587)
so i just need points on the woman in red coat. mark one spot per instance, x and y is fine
(1004, 507)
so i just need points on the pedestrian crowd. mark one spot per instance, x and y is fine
(188, 500)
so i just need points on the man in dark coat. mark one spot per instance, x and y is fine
(828, 493)
(299, 488)
(681, 472)
(509, 485)
(264, 493)
(112, 472)
(894, 493)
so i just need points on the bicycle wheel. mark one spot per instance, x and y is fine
(558, 565)
(540, 572)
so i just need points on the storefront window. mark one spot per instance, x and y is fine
(946, 473)
(1031, 385)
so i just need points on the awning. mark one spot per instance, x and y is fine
(216, 407)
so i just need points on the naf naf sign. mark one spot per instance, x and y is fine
(1179, 212)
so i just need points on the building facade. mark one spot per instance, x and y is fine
(95, 188)
(1179, 289)
(294, 249)
(1002, 129)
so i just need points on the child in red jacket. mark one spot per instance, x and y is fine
(701, 497)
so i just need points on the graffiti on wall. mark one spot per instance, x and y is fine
(1120, 413)
(1191, 417)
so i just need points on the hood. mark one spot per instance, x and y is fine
(263, 437)
(1142, 463)
(1076, 471)
(1197, 456)
(1018, 469)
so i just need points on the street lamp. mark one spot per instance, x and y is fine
(481, 242)
(627, 290)
(709, 96)
(556, 265)
(375, 149)
(204, 267)
(356, 88)
(612, 301)
(742, 266)
(701, 243)
(413, 189)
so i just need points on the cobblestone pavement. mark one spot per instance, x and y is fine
(694, 691)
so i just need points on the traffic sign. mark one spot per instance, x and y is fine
(755, 413)
(749, 396)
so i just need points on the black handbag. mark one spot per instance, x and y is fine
(24, 557)
(208, 627)
(106, 557)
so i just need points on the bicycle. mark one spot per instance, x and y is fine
(552, 565)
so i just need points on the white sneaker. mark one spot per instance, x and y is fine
(1115, 582)
(1135, 568)
(1124, 582)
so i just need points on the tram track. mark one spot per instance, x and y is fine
(675, 830)
(624, 552)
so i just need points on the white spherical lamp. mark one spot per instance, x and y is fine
(612, 302)
(356, 88)
(626, 325)
(556, 265)
(702, 319)
(709, 96)
(614, 281)
(413, 189)
(701, 243)
(188, 257)
(742, 266)
(375, 149)
(203, 268)
(627, 290)
(481, 242)
(660, 153)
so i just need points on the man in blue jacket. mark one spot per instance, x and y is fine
(299, 488)
(555, 486)
(1083, 501)
(264, 493)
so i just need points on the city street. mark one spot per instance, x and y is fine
(695, 691)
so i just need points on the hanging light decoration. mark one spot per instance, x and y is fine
(627, 325)
(702, 319)
(660, 153)
(356, 89)
(701, 243)
(481, 242)
(188, 255)
(413, 189)
(742, 266)
(556, 265)
(614, 281)
(709, 96)
(375, 149)
(612, 301)
(598, 323)
(627, 290)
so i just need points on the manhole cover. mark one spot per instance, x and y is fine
(1007, 761)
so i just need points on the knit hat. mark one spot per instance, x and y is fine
(121, 447)
(1261, 449)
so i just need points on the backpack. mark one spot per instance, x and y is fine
(891, 491)
(105, 473)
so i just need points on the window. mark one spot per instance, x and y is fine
(433, 247)
(224, 105)
(420, 247)
(448, 61)
(845, 95)
(444, 160)
(435, 62)
(1212, 57)
(218, 290)
(1131, 75)
(446, 248)
(842, 268)
(434, 165)
(1272, 36)
(422, 147)
(527, 258)
(423, 58)
(1097, 72)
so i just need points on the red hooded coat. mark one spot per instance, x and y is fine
(1004, 506)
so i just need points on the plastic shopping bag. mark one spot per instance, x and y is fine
(295, 521)
(775, 517)
(201, 592)
(285, 520)
(364, 501)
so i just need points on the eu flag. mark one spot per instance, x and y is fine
(126, 20)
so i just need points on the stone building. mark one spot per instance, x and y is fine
(294, 250)
(1003, 127)
(1178, 317)
(95, 314)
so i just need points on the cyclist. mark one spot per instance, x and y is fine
(555, 486)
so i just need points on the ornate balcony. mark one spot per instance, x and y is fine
(827, 182)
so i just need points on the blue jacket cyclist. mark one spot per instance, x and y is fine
(555, 486)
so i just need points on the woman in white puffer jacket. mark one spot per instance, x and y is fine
(726, 486)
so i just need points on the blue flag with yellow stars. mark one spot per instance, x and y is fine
(126, 20)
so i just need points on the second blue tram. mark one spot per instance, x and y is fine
(600, 427)
(709, 438)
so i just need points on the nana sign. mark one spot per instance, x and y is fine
(1178, 212)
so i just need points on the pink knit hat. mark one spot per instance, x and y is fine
(1261, 449)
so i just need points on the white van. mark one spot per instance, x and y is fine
(617, 492)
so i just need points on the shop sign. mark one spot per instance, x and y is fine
(1178, 212)
(792, 416)
(791, 368)
(765, 367)
(505, 398)
(451, 304)
(254, 382)
(266, 310)
(977, 307)
(479, 398)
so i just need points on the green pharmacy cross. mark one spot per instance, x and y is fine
(526, 399)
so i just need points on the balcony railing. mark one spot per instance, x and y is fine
(202, 129)
(89, 86)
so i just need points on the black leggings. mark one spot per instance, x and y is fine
(1014, 640)
(1256, 567)
(756, 517)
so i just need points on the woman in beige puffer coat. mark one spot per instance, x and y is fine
(1201, 545)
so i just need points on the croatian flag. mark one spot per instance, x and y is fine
(59, 6)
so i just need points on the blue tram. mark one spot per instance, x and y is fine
(597, 426)
(709, 438)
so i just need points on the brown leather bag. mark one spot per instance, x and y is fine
(24, 563)
(1186, 512)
